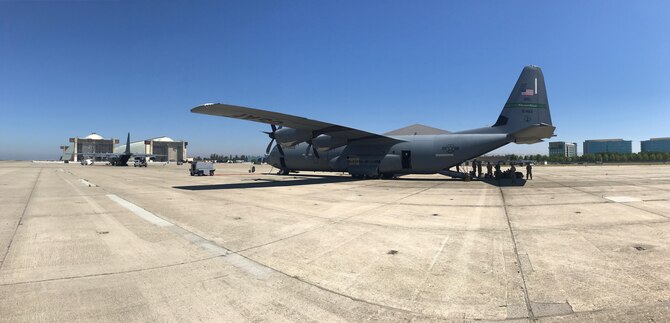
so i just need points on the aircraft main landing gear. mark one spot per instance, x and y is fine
(386, 176)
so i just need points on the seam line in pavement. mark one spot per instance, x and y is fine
(531, 316)
(108, 273)
(622, 203)
(16, 229)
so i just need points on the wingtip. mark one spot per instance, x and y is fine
(201, 107)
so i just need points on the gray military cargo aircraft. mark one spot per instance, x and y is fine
(310, 145)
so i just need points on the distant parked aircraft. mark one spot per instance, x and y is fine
(115, 159)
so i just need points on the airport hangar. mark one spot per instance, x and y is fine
(91, 144)
(164, 147)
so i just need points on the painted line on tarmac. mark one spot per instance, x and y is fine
(256, 269)
(142, 213)
(87, 183)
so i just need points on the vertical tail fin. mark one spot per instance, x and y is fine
(128, 144)
(525, 119)
(527, 105)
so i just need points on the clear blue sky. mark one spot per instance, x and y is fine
(69, 68)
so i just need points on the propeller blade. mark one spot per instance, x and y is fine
(267, 150)
(310, 145)
(272, 135)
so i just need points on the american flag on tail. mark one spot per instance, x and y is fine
(528, 92)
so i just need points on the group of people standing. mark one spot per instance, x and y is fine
(477, 170)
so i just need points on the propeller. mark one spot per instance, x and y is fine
(272, 136)
(309, 144)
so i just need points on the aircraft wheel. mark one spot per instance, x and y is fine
(386, 176)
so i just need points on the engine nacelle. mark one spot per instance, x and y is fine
(289, 137)
(325, 142)
(390, 163)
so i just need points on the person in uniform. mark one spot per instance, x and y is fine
(489, 169)
(474, 167)
(529, 171)
(479, 168)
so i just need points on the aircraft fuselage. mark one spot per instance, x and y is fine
(418, 154)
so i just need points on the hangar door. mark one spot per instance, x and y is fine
(169, 151)
(172, 153)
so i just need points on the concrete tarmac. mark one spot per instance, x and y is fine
(100, 243)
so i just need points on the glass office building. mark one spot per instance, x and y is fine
(562, 148)
(608, 146)
(655, 145)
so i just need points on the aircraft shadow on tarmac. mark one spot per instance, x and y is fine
(305, 179)
(261, 183)
(504, 182)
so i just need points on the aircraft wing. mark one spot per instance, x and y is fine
(115, 155)
(290, 121)
(146, 155)
(107, 155)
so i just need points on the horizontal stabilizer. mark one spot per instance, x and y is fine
(533, 134)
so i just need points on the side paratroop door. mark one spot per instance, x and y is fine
(406, 159)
